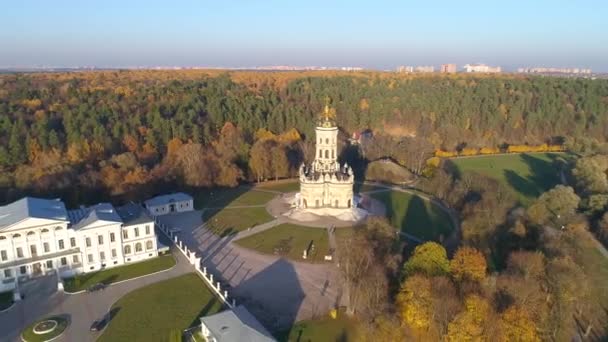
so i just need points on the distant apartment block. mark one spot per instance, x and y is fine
(542, 70)
(481, 68)
(405, 68)
(448, 68)
(426, 68)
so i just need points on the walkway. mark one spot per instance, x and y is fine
(83, 308)
(278, 291)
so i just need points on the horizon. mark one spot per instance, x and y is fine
(379, 36)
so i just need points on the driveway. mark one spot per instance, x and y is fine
(278, 291)
(42, 300)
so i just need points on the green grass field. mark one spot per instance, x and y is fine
(223, 197)
(359, 187)
(284, 187)
(527, 174)
(112, 275)
(289, 241)
(322, 329)
(153, 312)
(228, 221)
(415, 215)
(6, 300)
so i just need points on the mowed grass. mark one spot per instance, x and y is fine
(290, 186)
(229, 221)
(322, 329)
(224, 197)
(151, 313)
(6, 300)
(414, 215)
(290, 241)
(112, 275)
(527, 174)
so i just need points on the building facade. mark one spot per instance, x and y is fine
(481, 68)
(171, 203)
(448, 68)
(39, 236)
(326, 183)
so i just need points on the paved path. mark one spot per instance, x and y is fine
(278, 291)
(82, 308)
(257, 229)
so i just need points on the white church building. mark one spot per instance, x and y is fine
(326, 187)
(39, 236)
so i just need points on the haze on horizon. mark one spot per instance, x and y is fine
(371, 34)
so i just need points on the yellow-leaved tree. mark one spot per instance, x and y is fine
(415, 302)
(469, 325)
(468, 264)
(516, 325)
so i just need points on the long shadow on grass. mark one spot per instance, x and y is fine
(418, 221)
(274, 295)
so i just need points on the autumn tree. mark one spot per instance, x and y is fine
(468, 264)
(555, 206)
(415, 302)
(516, 325)
(429, 258)
(473, 323)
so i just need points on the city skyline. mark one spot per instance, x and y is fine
(380, 35)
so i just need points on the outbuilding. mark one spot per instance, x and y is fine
(170, 203)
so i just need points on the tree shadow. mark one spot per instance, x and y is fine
(351, 154)
(274, 295)
(204, 311)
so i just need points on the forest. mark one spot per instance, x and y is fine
(125, 133)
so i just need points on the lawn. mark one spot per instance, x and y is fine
(6, 300)
(323, 329)
(223, 197)
(360, 187)
(284, 187)
(112, 275)
(228, 221)
(28, 334)
(527, 174)
(290, 241)
(415, 215)
(151, 313)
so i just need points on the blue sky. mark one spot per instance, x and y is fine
(238, 33)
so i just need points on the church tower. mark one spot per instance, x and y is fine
(326, 187)
(326, 134)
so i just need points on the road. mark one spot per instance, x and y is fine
(42, 300)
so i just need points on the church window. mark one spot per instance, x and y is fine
(349, 203)
(327, 141)
(336, 203)
(320, 153)
(327, 154)
(332, 153)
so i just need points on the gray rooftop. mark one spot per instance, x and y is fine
(236, 325)
(99, 212)
(166, 199)
(27, 207)
(132, 213)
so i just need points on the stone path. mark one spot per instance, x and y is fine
(278, 291)
(257, 229)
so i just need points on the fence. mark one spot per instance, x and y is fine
(216, 287)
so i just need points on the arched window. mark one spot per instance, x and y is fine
(44, 230)
(58, 228)
(320, 153)
(327, 141)
(326, 154)
(332, 153)
(349, 203)
(127, 249)
(336, 203)
(138, 247)
(30, 233)
(320, 140)
(16, 236)
(149, 245)
(2, 237)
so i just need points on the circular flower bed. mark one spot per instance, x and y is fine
(45, 329)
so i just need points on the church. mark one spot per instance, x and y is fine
(326, 187)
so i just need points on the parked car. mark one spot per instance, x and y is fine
(97, 287)
(98, 325)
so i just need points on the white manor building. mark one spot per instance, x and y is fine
(326, 187)
(39, 236)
